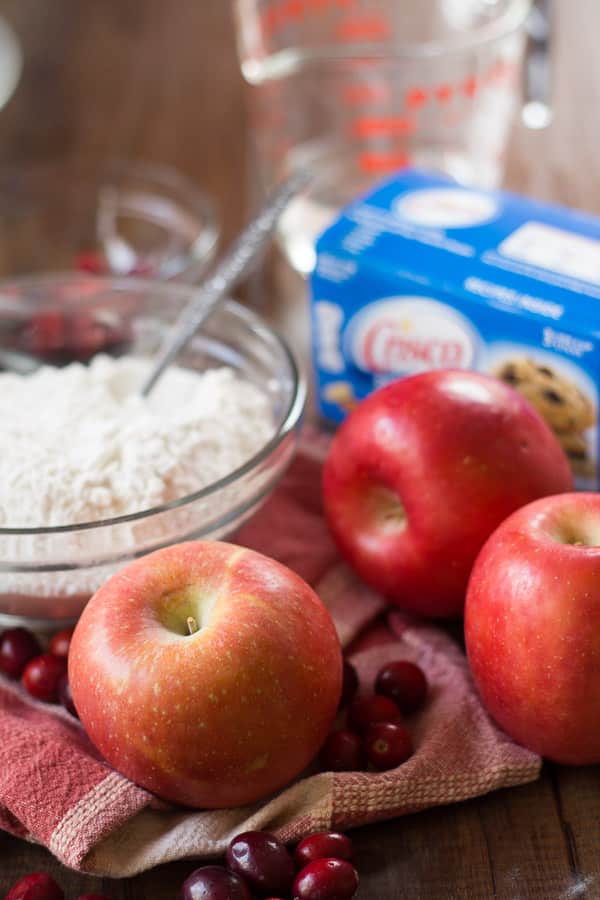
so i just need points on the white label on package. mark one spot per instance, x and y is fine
(408, 335)
(329, 318)
(554, 249)
(446, 207)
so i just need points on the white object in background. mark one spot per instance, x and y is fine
(11, 62)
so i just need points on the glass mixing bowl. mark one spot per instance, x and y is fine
(48, 574)
(122, 218)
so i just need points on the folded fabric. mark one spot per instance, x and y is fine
(56, 789)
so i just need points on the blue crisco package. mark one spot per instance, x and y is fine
(424, 273)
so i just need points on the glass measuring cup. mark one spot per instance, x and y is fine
(356, 89)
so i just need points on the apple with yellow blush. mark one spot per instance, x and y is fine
(207, 673)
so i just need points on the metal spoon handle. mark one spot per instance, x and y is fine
(226, 276)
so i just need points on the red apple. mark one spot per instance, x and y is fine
(222, 716)
(422, 472)
(532, 627)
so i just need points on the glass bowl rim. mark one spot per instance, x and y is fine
(288, 420)
(87, 172)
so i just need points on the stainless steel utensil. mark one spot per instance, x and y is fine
(233, 266)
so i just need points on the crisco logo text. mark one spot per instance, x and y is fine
(402, 335)
(386, 349)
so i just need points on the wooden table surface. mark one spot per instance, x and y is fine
(158, 80)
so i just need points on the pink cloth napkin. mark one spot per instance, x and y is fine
(55, 789)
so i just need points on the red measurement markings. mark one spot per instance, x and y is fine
(277, 15)
(444, 93)
(501, 70)
(416, 97)
(383, 162)
(293, 10)
(370, 126)
(366, 28)
(272, 20)
(470, 86)
(359, 94)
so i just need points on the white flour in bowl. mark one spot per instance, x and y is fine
(79, 444)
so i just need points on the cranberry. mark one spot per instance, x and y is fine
(17, 647)
(92, 262)
(60, 643)
(369, 710)
(42, 676)
(38, 886)
(388, 745)
(65, 696)
(349, 684)
(323, 845)
(87, 336)
(62, 337)
(343, 752)
(326, 879)
(214, 883)
(46, 333)
(262, 861)
(404, 683)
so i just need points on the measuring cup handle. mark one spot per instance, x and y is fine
(537, 107)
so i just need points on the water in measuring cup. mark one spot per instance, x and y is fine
(347, 90)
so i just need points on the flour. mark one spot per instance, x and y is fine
(79, 444)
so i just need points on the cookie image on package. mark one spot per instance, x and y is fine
(342, 394)
(560, 401)
(576, 449)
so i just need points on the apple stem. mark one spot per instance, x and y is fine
(192, 625)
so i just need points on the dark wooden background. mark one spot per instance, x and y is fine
(158, 80)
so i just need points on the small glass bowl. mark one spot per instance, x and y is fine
(48, 574)
(125, 218)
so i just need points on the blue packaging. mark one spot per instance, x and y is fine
(424, 273)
